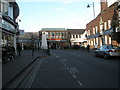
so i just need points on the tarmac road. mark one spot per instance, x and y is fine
(74, 69)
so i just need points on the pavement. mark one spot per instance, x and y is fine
(13, 68)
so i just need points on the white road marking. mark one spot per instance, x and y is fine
(57, 56)
(74, 76)
(70, 72)
(79, 83)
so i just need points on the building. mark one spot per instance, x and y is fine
(28, 39)
(9, 12)
(56, 37)
(118, 9)
(77, 37)
(103, 29)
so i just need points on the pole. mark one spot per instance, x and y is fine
(93, 11)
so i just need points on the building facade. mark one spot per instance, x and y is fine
(77, 37)
(103, 29)
(56, 37)
(9, 27)
(28, 39)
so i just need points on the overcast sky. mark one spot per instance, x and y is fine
(72, 14)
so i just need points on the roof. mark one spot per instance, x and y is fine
(76, 31)
(53, 29)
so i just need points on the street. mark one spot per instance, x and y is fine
(73, 69)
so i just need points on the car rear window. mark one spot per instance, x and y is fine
(115, 47)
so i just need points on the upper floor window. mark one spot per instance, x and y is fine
(73, 36)
(10, 11)
(76, 36)
(96, 29)
(52, 33)
(105, 26)
(62, 34)
(93, 30)
(4, 7)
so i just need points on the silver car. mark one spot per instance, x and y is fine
(107, 51)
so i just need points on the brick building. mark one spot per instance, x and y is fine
(103, 29)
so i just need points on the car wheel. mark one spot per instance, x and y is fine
(96, 55)
(106, 56)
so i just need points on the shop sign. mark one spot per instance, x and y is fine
(6, 25)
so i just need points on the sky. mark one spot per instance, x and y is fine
(69, 14)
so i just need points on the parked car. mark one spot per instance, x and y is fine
(107, 51)
(75, 46)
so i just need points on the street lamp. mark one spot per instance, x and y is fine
(88, 6)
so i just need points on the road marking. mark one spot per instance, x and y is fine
(67, 68)
(56, 56)
(74, 76)
(34, 74)
(70, 72)
(79, 83)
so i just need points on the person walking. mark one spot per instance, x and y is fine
(19, 49)
(88, 48)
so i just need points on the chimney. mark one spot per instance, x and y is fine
(104, 5)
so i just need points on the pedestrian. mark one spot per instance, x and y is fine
(19, 49)
(96, 46)
(33, 50)
(88, 48)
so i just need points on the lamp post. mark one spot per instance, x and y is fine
(88, 6)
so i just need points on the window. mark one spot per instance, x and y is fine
(79, 36)
(109, 40)
(62, 34)
(73, 36)
(96, 29)
(109, 24)
(52, 33)
(105, 26)
(93, 30)
(76, 36)
(5, 8)
(10, 11)
(97, 40)
(105, 39)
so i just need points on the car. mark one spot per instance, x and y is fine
(75, 46)
(108, 51)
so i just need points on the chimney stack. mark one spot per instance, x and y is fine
(104, 5)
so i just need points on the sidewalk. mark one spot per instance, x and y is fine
(10, 70)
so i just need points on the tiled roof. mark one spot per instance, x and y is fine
(76, 31)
